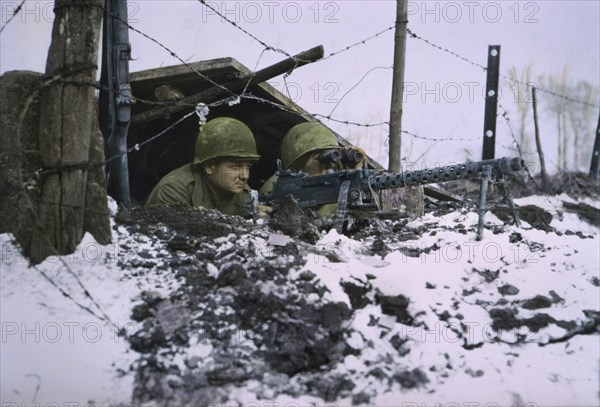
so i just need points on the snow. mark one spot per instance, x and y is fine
(53, 351)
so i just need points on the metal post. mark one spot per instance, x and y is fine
(595, 153)
(483, 190)
(491, 102)
(115, 98)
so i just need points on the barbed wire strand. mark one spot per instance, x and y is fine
(357, 43)
(13, 16)
(252, 75)
(67, 295)
(462, 58)
(506, 118)
(239, 27)
(173, 54)
(104, 316)
(438, 139)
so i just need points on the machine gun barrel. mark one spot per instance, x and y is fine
(446, 173)
(357, 189)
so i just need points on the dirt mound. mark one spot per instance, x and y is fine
(241, 314)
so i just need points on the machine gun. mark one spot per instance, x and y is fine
(357, 189)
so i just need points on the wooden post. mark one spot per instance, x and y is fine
(68, 128)
(398, 86)
(538, 142)
(411, 198)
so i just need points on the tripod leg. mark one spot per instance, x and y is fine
(342, 209)
(510, 202)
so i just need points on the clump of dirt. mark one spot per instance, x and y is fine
(505, 319)
(575, 184)
(291, 219)
(396, 306)
(532, 214)
(537, 302)
(585, 212)
(197, 222)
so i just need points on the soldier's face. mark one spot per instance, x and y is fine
(228, 177)
(314, 166)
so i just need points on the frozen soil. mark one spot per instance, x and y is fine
(316, 316)
(220, 310)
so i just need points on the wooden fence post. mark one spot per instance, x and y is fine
(397, 86)
(68, 128)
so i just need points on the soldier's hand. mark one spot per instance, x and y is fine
(264, 211)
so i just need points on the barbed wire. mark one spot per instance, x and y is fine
(412, 34)
(67, 295)
(136, 147)
(317, 116)
(173, 54)
(439, 139)
(267, 47)
(13, 16)
(455, 54)
(357, 43)
(239, 27)
(103, 315)
(506, 118)
(118, 92)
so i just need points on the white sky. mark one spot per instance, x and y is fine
(444, 95)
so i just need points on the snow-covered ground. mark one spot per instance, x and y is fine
(508, 320)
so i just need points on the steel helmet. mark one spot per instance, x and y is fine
(225, 137)
(305, 138)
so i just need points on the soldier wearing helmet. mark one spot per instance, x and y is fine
(216, 179)
(309, 147)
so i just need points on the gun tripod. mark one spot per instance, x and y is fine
(485, 181)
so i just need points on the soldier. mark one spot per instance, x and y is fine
(313, 148)
(216, 179)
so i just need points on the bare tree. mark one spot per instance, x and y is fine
(522, 91)
(581, 118)
(574, 109)
(558, 107)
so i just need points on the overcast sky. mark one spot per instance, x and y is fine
(443, 94)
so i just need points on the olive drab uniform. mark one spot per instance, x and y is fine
(188, 187)
(223, 137)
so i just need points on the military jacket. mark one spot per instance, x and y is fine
(187, 186)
